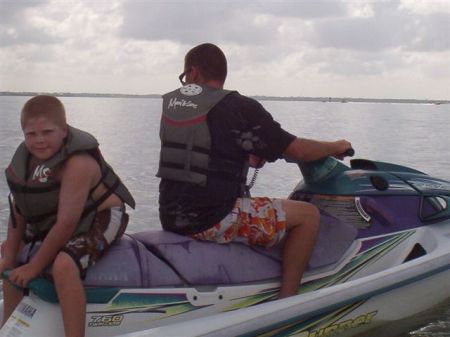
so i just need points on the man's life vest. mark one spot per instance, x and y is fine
(36, 194)
(186, 139)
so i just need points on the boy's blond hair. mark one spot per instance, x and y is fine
(44, 106)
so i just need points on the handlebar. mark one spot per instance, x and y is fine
(349, 153)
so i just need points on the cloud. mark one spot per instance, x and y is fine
(365, 34)
(12, 10)
(273, 47)
(196, 21)
(18, 27)
(249, 22)
(426, 7)
(303, 9)
(390, 27)
(432, 33)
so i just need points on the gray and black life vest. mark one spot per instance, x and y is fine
(36, 195)
(186, 139)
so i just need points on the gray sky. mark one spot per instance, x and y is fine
(373, 49)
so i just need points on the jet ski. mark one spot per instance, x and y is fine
(383, 254)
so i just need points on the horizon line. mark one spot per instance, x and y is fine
(258, 97)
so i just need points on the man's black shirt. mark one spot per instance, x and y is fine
(239, 126)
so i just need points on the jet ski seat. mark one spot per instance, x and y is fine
(159, 259)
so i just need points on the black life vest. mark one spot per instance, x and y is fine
(186, 139)
(36, 198)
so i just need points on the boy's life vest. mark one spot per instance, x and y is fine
(186, 139)
(36, 193)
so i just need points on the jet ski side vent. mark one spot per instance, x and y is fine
(416, 251)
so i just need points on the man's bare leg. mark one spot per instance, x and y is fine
(302, 225)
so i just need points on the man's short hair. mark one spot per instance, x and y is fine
(210, 59)
(44, 106)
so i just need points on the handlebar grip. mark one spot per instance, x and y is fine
(5, 274)
(349, 153)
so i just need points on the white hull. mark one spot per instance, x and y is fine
(316, 316)
(375, 288)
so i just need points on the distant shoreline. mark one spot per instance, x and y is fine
(260, 98)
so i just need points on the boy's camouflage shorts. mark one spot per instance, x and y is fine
(85, 249)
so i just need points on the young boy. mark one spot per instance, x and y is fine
(67, 201)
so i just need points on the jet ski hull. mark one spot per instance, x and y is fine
(383, 255)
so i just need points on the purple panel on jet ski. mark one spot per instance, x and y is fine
(390, 214)
(333, 241)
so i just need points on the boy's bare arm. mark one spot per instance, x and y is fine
(78, 175)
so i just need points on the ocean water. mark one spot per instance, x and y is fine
(414, 135)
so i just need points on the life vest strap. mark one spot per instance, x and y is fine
(181, 146)
(38, 218)
(14, 187)
(11, 212)
(102, 199)
(218, 174)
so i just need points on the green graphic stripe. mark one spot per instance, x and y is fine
(358, 263)
(373, 255)
(363, 259)
(248, 301)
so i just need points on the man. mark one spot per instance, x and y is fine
(209, 137)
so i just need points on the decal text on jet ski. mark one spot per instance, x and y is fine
(110, 320)
(340, 327)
